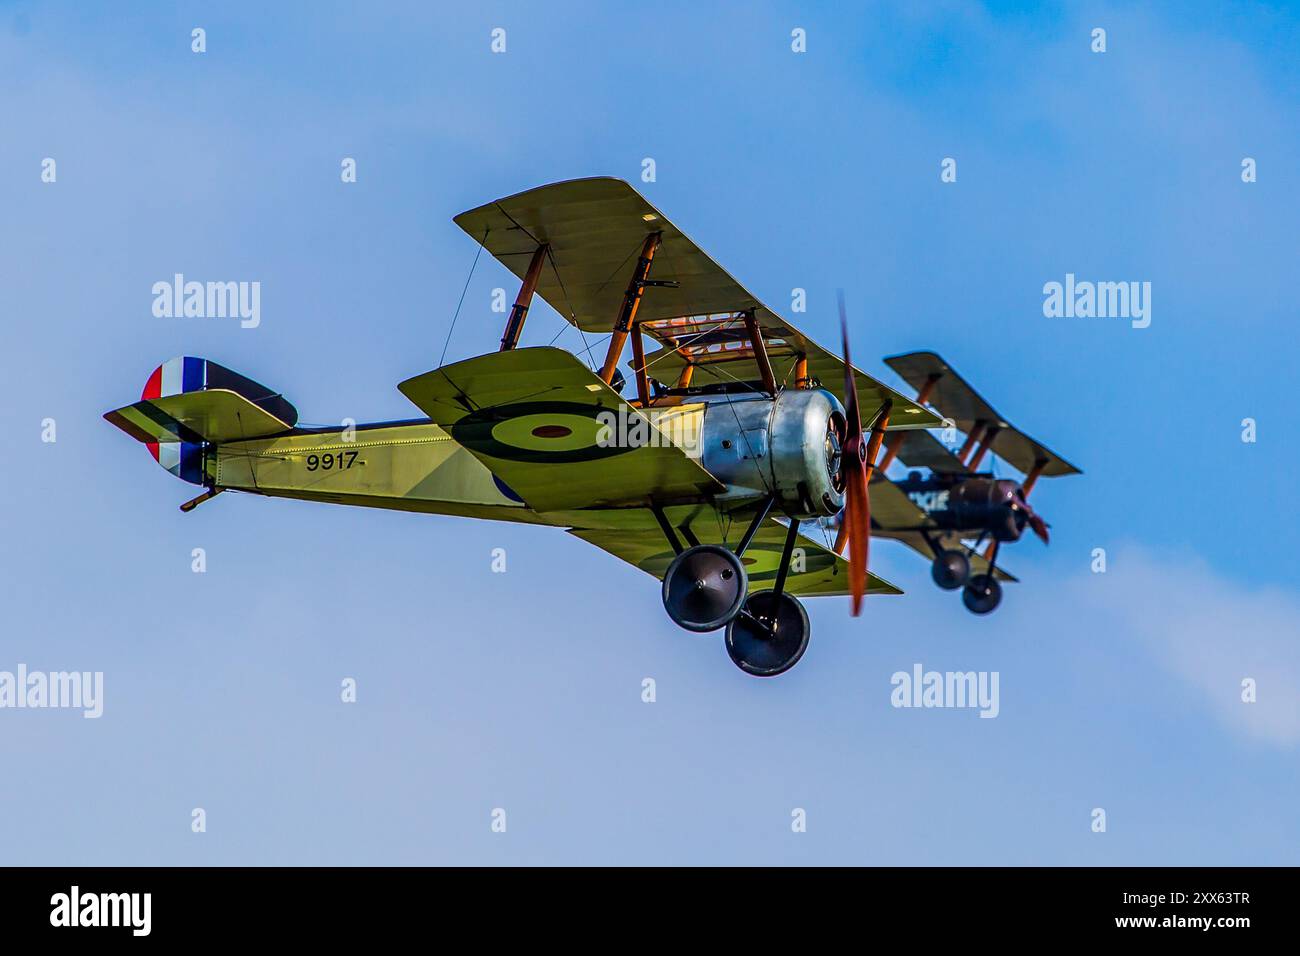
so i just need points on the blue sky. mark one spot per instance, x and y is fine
(522, 690)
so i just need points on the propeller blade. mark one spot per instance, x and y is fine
(1037, 524)
(856, 529)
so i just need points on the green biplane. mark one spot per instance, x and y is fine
(738, 419)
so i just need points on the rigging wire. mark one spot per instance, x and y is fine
(573, 315)
(462, 296)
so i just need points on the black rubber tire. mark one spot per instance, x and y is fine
(950, 570)
(704, 587)
(766, 653)
(982, 595)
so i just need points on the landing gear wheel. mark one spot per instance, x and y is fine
(704, 587)
(951, 569)
(769, 635)
(982, 594)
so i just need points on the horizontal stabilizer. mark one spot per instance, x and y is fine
(215, 415)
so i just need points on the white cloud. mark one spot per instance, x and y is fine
(1211, 632)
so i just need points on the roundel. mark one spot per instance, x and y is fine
(553, 432)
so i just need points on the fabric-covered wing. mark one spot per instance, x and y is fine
(892, 509)
(824, 572)
(920, 449)
(953, 396)
(531, 416)
(595, 230)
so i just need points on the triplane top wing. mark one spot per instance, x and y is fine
(581, 238)
(953, 396)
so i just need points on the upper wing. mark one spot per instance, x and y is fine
(595, 229)
(530, 416)
(818, 571)
(213, 415)
(953, 396)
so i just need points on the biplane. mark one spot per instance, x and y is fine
(742, 432)
(947, 514)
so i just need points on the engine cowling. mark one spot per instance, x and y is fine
(789, 446)
(987, 503)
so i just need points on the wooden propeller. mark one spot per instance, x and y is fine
(858, 456)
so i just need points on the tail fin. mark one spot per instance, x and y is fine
(188, 402)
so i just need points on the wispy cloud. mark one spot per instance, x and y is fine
(1211, 632)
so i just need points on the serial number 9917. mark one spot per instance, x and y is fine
(325, 462)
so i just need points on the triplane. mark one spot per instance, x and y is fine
(739, 421)
(939, 513)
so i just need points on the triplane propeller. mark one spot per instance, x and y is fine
(739, 421)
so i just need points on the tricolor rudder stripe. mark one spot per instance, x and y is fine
(188, 402)
(185, 374)
(176, 376)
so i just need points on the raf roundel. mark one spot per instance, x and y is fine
(540, 432)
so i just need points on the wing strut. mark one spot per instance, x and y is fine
(1032, 477)
(896, 440)
(631, 302)
(990, 433)
(760, 352)
(515, 324)
(971, 438)
(801, 379)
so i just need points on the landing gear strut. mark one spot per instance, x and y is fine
(983, 593)
(705, 589)
(769, 635)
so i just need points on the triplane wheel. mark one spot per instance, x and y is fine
(950, 570)
(769, 635)
(982, 594)
(704, 587)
